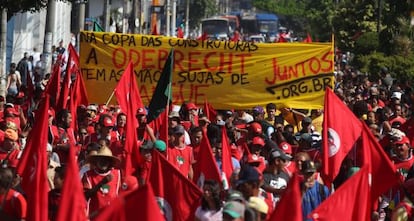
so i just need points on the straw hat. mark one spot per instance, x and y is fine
(104, 152)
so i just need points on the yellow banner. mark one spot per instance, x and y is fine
(226, 74)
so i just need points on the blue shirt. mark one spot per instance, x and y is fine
(312, 198)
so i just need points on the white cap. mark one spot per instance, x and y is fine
(397, 95)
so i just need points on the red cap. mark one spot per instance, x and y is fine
(402, 140)
(191, 106)
(258, 141)
(256, 128)
(286, 147)
(253, 158)
(141, 111)
(108, 122)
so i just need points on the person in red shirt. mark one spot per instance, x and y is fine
(13, 204)
(145, 167)
(103, 182)
(9, 149)
(181, 155)
(402, 155)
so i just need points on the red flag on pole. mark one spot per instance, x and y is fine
(178, 196)
(129, 100)
(53, 86)
(78, 96)
(350, 202)
(62, 103)
(383, 171)
(341, 129)
(209, 111)
(308, 38)
(289, 207)
(206, 167)
(226, 162)
(72, 206)
(141, 202)
(33, 166)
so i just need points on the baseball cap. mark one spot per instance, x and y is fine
(258, 204)
(307, 120)
(107, 122)
(397, 95)
(286, 147)
(174, 114)
(179, 130)
(258, 141)
(306, 137)
(92, 108)
(256, 128)
(278, 153)
(248, 174)
(235, 195)
(402, 140)
(308, 167)
(191, 106)
(141, 111)
(147, 145)
(258, 110)
(253, 159)
(160, 145)
(234, 209)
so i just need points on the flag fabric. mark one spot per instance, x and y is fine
(129, 99)
(97, 27)
(154, 29)
(341, 129)
(53, 86)
(209, 111)
(383, 171)
(350, 202)
(72, 206)
(140, 202)
(163, 91)
(308, 38)
(289, 207)
(226, 162)
(203, 37)
(205, 167)
(282, 38)
(33, 165)
(180, 32)
(178, 196)
(62, 103)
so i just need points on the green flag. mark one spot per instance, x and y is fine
(97, 27)
(163, 91)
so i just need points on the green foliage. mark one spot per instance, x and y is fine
(200, 9)
(15, 6)
(401, 67)
(366, 43)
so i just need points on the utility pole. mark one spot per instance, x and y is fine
(81, 15)
(107, 14)
(174, 18)
(168, 20)
(187, 19)
(135, 18)
(50, 27)
(3, 41)
(125, 16)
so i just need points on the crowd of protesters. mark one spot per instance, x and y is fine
(268, 145)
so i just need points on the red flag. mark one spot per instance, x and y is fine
(203, 37)
(282, 38)
(154, 29)
(209, 111)
(180, 33)
(141, 202)
(349, 202)
(341, 129)
(308, 38)
(206, 167)
(129, 100)
(78, 96)
(176, 193)
(53, 86)
(33, 166)
(289, 207)
(383, 171)
(72, 191)
(226, 162)
(62, 103)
